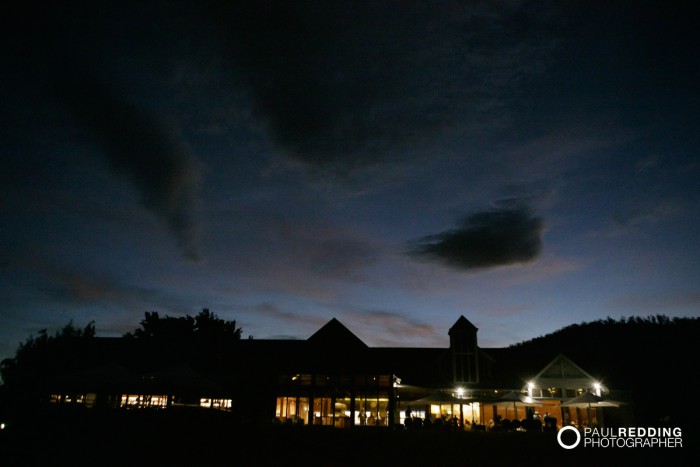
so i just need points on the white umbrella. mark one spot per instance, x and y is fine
(442, 398)
(514, 398)
(439, 397)
(588, 400)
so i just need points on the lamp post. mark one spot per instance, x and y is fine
(460, 395)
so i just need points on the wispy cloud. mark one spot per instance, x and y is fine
(300, 256)
(639, 216)
(382, 327)
(81, 287)
(271, 315)
(645, 303)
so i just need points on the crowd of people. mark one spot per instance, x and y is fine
(535, 422)
(442, 422)
(532, 422)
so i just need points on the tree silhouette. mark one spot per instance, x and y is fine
(205, 324)
(208, 325)
(42, 357)
(153, 326)
(204, 342)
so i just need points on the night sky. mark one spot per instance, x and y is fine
(394, 165)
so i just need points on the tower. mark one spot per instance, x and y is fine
(463, 347)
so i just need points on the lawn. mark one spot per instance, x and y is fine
(164, 440)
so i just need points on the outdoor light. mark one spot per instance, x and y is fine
(460, 392)
(596, 385)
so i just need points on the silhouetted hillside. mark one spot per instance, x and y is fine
(652, 357)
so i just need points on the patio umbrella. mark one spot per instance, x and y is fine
(514, 398)
(439, 397)
(589, 400)
(442, 398)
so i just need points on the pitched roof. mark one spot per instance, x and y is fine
(563, 367)
(461, 324)
(334, 335)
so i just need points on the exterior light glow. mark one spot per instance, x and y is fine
(530, 387)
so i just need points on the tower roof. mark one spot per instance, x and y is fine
(462, 324)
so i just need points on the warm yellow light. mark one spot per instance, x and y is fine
(596, 385)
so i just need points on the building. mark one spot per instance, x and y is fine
(334, 379)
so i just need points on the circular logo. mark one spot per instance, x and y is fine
(568, 446)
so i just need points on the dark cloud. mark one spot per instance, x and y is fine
(486, 239)
(69, 85)
(143, 151)
(342, 85)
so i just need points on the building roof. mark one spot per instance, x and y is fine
(461, 324)
(333, 349)
(335, 335)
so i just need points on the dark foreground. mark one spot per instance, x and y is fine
(212, 440)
